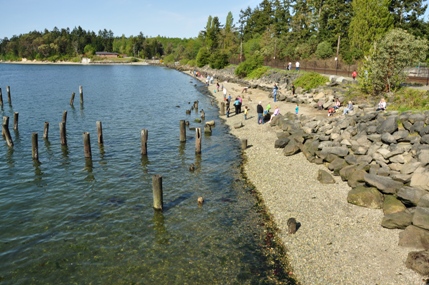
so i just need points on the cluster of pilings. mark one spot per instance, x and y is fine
(156, 180)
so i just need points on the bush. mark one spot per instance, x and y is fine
(169, 58)
(218, 60)
(247, 66)
(203, 57)
(192, 63)
(324, 50)
(184, 61)
(257, 73)
(410, 99)
(310, 80)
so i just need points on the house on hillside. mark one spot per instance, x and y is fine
(107, 54)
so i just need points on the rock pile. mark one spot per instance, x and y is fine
(383, 156)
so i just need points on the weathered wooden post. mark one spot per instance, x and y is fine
(15, 120)
(198, 140)
(81, 94)
(35, 146)
(72, 99)
(207, 129)
(1, 98)
(244, 144)
(65, 117)
(46, 131)
(144, 135)
(5, 122)
(222, 108)
(5, 130)
(182, 131)
(99, 132)
(87, 145)
(63, 137)
(157, 192)
(9, 99)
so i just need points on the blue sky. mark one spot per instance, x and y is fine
(170, 18)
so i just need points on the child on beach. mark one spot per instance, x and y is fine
(296, 109)
(246, 110)
(227, 109)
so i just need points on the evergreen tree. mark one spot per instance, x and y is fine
(408, 15)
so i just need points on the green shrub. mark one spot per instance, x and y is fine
(192, 63)
(324, 50)
(257, 73)
(169, 58)
(247, 66)
(203, 57)
(409, 99)
(218, 60)
(310, 80)
(184, 61)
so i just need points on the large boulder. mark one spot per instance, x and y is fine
(414, 237)
(336, 165)
(399, 220)
(338, 151)
(392, 205)
(421, 218)
(281, 142)
(390, 125)
(385, 184)
(410, 196)
(420, 180)
(418, 261)
(368, 197)
(291, 148)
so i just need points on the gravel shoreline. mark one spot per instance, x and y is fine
(337, 243)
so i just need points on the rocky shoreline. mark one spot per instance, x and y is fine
(372, 163)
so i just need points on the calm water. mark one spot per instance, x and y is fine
(62, 222)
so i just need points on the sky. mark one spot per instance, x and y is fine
(169, 18)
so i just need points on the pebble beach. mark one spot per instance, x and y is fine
(337, 242)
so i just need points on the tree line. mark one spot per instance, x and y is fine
(274, 29)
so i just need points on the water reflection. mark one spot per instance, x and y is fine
(161, 234)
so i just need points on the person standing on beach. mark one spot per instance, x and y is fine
(224, 94)
(246, 110)
(275, 88)
(296, 109)
(297, 66)
(289, 66)
(227, 109)
(260, 111)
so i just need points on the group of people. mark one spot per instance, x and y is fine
(380, 107)
(289, 66)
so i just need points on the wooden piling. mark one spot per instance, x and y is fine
(5, 122)
(157, 192)
(63, 137)
(144, 135)
(72, 99)
(65, 117)
(46, 131)
(15, 120)
(81, 94)
(182, 131)
(222, 108)
(9, 99)
(244, 144)
(35, 146)
(1, 98)
(5, 130)
(99, 132)
(87, 145)
(198, 140)
(196, 105)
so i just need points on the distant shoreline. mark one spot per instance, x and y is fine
(31, 62)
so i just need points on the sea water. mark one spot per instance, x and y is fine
(68, 220)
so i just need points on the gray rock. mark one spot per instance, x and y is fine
(388, 138)
(420, 180)
(424, 201)
(338, 151)
(421, 218)
(410, 196)
(423, 156)
(414, 237)
(424, 139)
(291, 148)
(401, 135)
(368, 197)
(399, 220)
(390, 125)
(385, 184)
(281, 142)
(410, 167)
(324, 177)
(418, 261)
(336, 165)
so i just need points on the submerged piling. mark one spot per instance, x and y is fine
(5, 122)
(15, 120)
(63, 137)
(144, 135)
(87, 145)
(35, 146)
(157, 192)
(81, 94)
(46, 131)
(72, 99)
(198, 140)
(5, 130)
(1, 98)
(182, 131)
(99, 132)
(9, 99)
(65, 117)
(244, 144)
